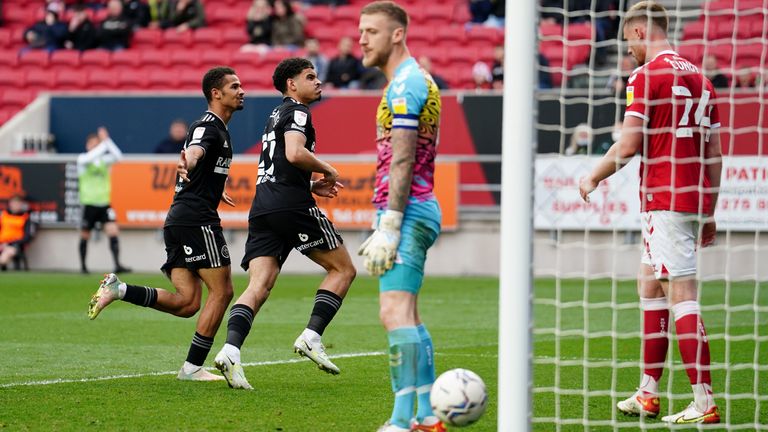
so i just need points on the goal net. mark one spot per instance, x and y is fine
(587, 319)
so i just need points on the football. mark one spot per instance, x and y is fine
(458, 397)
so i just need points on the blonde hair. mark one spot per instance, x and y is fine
(645, 10)
(392, 10)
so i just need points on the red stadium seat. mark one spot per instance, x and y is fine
(550, 29)
(463, 57)
(440, 14)
(97, 58)
(182, 58)
(691, 51)
(70, 79)
(21, 16)
(36, 58)
(101, 79)
(12, 77)
(9, 58)
(126, 58)
(132, 79)
(155, 58)
(488, 34)
(755, 51)
(5, 38)
(244, 59)
(256, 78)
(346, 16)
(41, 79)
(452, 35)
(425, 34)
(163, 79)
(147, 38)
(722, 51)
(190, 79)
(318, 16)
(70, 58)
(579, 31)
(17, 99)
(206, 37)
(216, 58)
(234, 38)
(694, 30)
(174, 39)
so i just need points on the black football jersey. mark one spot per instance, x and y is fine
(280, 185)
(196, 202)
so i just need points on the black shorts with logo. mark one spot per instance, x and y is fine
(96, 214)
(194, 247)
(275, 234)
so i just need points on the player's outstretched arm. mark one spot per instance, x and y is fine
(303, 159)
(188, 160)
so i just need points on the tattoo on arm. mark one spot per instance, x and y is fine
(404, 142)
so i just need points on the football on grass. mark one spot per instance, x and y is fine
(458, 397)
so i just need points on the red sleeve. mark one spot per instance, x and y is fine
(714, 113)
(637, 94)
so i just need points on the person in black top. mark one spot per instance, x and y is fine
(284, 216)
(174, 142)
(194, 242)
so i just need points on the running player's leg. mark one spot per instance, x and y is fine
(219, 283)
(262, 273)
(328, 298)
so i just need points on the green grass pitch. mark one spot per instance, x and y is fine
(59, 371)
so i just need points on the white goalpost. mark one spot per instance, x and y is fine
(570, 324)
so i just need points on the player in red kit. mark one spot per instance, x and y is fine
(672, 122)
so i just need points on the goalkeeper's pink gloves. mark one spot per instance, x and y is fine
(380, 249)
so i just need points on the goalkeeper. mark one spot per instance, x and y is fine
(408, 217)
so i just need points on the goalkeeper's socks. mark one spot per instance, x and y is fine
(692, 341)
(239, 324)
(138, 295)
(199, 349)
(403, 353)
(655, 341)
(703, 397)
(425, 373)
(327, 303)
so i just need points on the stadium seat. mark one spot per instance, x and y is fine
(463, 57)
(155, 58)
(439, 14)
(9, 58)
(126, 58)
(722, 51)
(452, 35)
(5, 38)
(147, 38)
(130, 79)
(488, 34)
(191, 79)
(70, 79)
(212, 58)
(691, 51)
(183, 59)
(694, 30)
(722, 29)
(755, 51)
(96, 58)
(69, 58)
(425, 34)
(34, 58)
(346, 16)
(247, 59)
(550, 29)
(318, 16)
(174, 39)
(256, 78)
(17, 99)
(20, 16)
(163, 79)
(101, 79)
(12, 77)
(205, 37)
(41, 79)
(234, 38)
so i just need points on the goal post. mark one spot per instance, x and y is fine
(516, 251)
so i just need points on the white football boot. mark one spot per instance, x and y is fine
(315, 351)
(232, 371)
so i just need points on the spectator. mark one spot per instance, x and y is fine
(372, 79)
(50, 33)
(174, 142)
(116, 30)
(545, 77)
(16, 230)
(320, 61)
(580, 140)
(137, 12)
(55, 6)
(479, 10)
(287, 27)
(345, 69)
(259, 24)
(712, 72)
(745, 79)
(426, 64)
(497, 68)
(618, 79)
(183, 14)
(82, 33)
(481, 76)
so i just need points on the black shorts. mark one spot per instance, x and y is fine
(96, 214)
(194, 248)
(275, 234)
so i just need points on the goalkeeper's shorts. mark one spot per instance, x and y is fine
(421, 226)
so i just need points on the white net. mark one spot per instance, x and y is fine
(587, 352)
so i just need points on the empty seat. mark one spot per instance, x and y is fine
(318, 15)
(147, 38)
(163, 79)
(691, 51)
(17, 99)
(181, 57)
(452, 35)
(40, 79)
(99, 58)
(69, 58)
(101, 79)
(578, 31)
(206, 37)
(747, 51)
(9, 58)
(694, 30)
(175, 39)
(132, 79)
(126, 58)
(36, 58)
(70, 79)
(488, 34)
(440, 14)
(155, 58)
(722, 51)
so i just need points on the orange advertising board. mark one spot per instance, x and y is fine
(142, 193)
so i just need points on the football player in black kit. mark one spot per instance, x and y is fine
(283, 217)
(194, 243)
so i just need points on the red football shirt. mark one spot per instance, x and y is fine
(677, 103)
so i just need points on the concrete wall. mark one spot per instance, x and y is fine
(474, 250)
